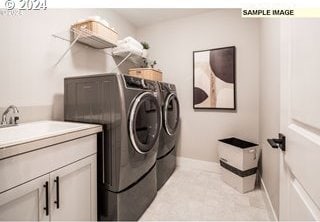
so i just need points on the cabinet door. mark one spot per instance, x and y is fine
(74, 191)
(26, 202)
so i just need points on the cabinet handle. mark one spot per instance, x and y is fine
(46, 208)
(57, 202)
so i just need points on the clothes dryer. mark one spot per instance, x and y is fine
(166, 157)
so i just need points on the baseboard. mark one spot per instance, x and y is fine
(268, 201)
(198, 164)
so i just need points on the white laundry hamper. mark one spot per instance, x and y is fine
(239, 161)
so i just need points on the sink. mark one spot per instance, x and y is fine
(27, 132)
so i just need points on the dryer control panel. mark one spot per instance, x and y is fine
(138, 83)
(167, 86)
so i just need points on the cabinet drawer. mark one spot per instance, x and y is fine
(19, 169)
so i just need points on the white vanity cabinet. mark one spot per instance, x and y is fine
(73, 192)
(51, 184)
(25, 202)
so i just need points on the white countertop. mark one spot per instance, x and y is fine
(29, 136)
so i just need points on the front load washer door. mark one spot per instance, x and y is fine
(144, 122)
(171, 114)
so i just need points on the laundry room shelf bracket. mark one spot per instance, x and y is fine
(122, 61)
(68, 49)
(132, 57)
(91, 41)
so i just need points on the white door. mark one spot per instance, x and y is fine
(27, 202)
(300, 119)
(73, 191)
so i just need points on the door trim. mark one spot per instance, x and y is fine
(131, 119)
(165, 111)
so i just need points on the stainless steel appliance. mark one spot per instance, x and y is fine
(128, 109)
(166, 157)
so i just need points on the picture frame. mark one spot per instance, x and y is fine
(214, 79)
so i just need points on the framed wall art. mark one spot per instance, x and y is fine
(214, 79)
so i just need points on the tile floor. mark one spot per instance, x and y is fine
(193, 194)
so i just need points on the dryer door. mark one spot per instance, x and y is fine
(171, 114)
(144, 122)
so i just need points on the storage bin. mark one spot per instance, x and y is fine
(146, 73)
(238, 153)
(242, 184)
(96, 34)
(239, 160)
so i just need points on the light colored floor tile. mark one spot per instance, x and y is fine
(197, 195)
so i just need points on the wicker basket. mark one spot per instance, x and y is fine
(146, 73)
(95, 34)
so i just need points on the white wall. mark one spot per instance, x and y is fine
(172, 43)
(270, 106)
(29, 77)
(31, 81)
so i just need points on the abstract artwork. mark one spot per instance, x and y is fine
(214, 79)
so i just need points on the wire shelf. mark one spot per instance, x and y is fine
(88, 38)
(134, 58)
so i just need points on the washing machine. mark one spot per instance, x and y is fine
(166, 157)
(128, 109)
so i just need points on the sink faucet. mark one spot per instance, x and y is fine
(13, 121)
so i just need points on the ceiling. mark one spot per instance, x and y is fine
(145, 17)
